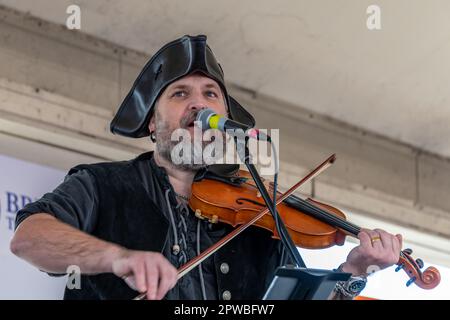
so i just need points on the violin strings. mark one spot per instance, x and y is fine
(325, 215)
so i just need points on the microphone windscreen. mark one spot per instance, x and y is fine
(203, 116)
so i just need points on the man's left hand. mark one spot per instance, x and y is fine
(377, 250)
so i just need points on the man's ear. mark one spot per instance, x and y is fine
(151, 125)
(152, 129)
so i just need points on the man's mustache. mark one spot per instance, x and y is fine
(189, 119)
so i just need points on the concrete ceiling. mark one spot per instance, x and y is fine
(315, 54)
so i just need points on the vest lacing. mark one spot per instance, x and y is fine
(180, 246)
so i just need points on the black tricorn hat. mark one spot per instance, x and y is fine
(176, 59)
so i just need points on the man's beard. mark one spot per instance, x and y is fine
(165, 145)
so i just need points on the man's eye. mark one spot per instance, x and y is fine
(180, 93)
(211, 94)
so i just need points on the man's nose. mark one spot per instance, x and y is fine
(197, 106)
(197, 101)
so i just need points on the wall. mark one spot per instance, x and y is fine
(60, 89)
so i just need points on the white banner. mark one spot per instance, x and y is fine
(22, 182)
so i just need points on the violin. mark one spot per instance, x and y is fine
(311, 224)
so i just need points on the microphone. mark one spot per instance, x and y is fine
(211, 120)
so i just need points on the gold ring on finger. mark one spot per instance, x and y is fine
(374, 239)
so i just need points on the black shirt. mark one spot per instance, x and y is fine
(75, 202)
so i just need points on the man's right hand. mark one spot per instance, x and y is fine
(148, 272)
(38, 240)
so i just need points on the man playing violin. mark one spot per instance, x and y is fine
(127, 225)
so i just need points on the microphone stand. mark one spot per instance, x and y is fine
(244, 154)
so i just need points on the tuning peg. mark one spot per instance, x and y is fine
(408, 251)
(400, 267)
(420, 263)
(410, 281)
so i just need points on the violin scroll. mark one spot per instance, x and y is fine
(427, 279)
